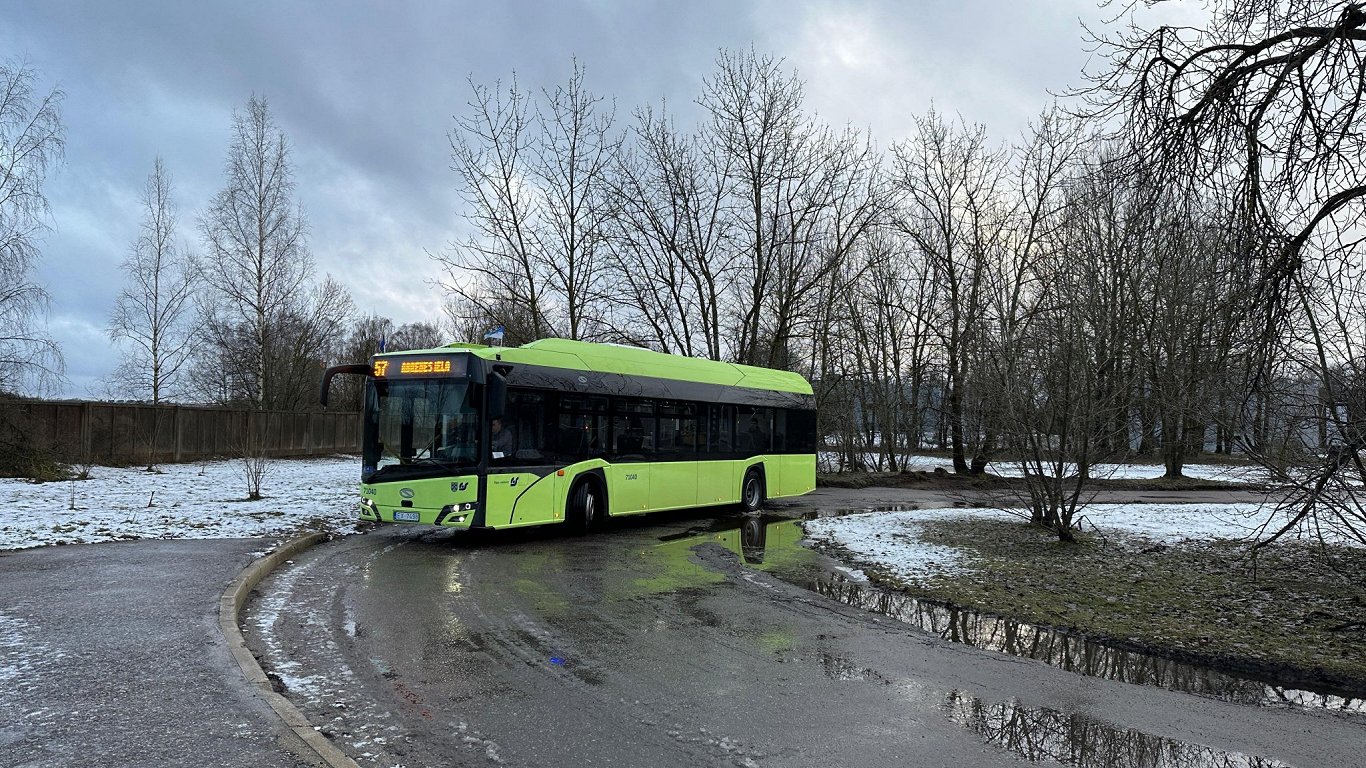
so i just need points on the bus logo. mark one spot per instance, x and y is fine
(406, 493)
(459, 486)
(513, 481)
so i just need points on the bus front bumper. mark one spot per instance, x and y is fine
(449, 516)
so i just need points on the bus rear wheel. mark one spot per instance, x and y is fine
(585, 507)
(752, 491)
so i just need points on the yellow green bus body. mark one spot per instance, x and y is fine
(648, 431)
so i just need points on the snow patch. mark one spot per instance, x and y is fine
(21, 656)
(829, 461)
(180, 501)
(892, 540)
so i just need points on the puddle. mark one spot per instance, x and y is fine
(1070, 652)
(1069, 738)
(774, 544)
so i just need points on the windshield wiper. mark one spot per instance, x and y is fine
(434, 461)
(424, 466)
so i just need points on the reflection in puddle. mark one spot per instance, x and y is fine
(774, 544)
(1078, 740)
(1074, 654)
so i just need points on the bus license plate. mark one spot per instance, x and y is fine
(406, 517)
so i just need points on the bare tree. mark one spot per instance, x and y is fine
(255, 461)
(757, 122)
(576, 154)
(871, 348)
(490, 149)
(804, 196)
(151, 311)
(1262, 105)
(1192, 310)
(953, 214)
(1060, 372)
(31, 141)
(267, 328)
(1263, 102)
(419, 335)
(303, 336)
(672, 262)
(535, 187)
(1047, 376)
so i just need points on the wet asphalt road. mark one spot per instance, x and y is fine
(688, 641)
(111, 655)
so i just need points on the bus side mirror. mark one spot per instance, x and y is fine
(360, 369)
(497, 394)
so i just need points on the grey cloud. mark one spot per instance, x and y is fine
(366, 92)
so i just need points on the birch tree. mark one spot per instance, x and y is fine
(267, 325)
(32, 140)
(151, 314)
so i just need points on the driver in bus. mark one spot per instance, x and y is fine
(502, 443)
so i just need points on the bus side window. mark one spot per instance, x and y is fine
(754, 429)
(633, 427)
(780, 430)
(677, 427)
(803, 424)
(721, 429)
(525, 422)
(581, 426)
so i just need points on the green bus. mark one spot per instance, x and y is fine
(471, 436)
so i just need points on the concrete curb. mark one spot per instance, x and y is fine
(230, 609)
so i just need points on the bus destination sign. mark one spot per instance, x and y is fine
(388, 368)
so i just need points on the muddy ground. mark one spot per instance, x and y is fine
(1291, 614)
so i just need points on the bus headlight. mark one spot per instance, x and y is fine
(456, 513)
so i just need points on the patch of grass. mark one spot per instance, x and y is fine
(843, 480)
(913, 479)
(1292, 614)
(1170, 484)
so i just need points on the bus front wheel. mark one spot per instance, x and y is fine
(752, 491)
(585, 507)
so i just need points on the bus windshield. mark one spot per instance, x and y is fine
(418, 427)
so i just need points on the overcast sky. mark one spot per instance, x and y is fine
(366, 93)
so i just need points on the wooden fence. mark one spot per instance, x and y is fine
(125, 433)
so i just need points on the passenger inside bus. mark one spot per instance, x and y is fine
(756, 438)
(502, 440)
